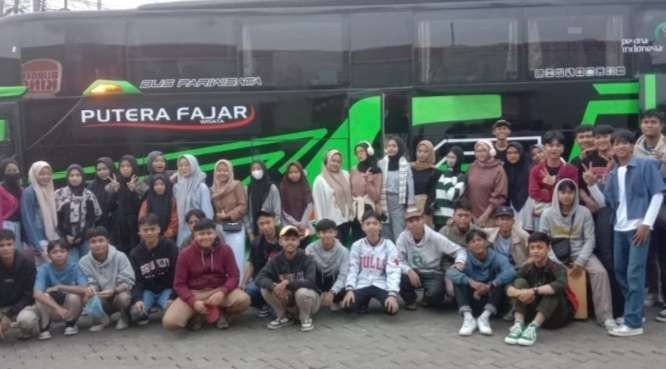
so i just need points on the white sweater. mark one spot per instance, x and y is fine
(324, 201)
(377, 266)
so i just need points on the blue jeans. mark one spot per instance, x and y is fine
(78, 251)
(151, 298)
(255, 295)
(630, 264)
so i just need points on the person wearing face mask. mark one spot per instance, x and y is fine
(104, 173)
(190, 192)
(263, 195)
(38, 210)
(490, 183)
(449, 188)
(425, 178)
(332, 194)
(398, 187)
(78, 210)
(10, 182)
(366, 186)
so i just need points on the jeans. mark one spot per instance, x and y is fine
(604, 251)
(492, 301)
(235, 240)
(396, 218)
(434, 289)
(630, 268)
(78, 251)
(364, 295)
(257, 300)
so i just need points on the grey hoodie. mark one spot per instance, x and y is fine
(332, 263)
(110, 273)
(426, 255)
(556, 225)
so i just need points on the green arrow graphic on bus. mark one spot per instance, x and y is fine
(455, 108)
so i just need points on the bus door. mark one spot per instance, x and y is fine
(8, 127)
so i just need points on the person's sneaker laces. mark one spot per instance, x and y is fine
(625, 331)
(661, 317)
(279, 323)
(468, 326)
(44, 335)
(307, 325)
(484, 325)
(514, 333)
(529, 336)
(71, 330)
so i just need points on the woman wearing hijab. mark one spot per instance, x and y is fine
(296, 198)
(159, 201)
(78, 210)
(449, 188)
(99, 186)
(490, 183)
(39, 217)
(398, 187)
(128, 192)
(230, 204)
(517, 168)
(425, 177)
(190, 192)
(332, 196)
(156, 163)
(11, 183)
(263, 195)
(366, 187)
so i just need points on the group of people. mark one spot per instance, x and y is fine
(499, 239)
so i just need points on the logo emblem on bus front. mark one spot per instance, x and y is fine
(42, 77)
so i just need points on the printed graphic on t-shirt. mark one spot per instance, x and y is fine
(161, 264)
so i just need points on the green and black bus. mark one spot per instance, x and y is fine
(288, 80)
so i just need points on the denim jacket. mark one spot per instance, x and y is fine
(31, 219)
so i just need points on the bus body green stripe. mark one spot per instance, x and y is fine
(455, 108)
(12, 91)
(619, 88)
(3, 130)
(649, 91)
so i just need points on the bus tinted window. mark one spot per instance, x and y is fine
(465, 46)
(292, 52)
(575, 46)
(10, 66)
(172, 47)
(376, 59)
(649, 43)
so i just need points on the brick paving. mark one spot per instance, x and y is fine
(424, 339)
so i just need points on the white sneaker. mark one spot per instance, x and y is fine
(484, 325)
(610, 324)
(307, 325)
(624, 331)
(468, 327)
(661, 317)
(44, 335)
(104, 322)
(72, 330)
(121, 324)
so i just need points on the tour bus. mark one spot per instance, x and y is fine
(288, 80)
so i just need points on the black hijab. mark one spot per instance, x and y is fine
(460, 154)
(394, 161)
(12, 183)
(98, 185)
(128, 201)
(160, 205)
(518, 176)
(258, 191)
(76, 190)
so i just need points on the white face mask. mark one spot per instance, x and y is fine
(451, 162)
(258, 174)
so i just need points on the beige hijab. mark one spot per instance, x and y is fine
(219, 188)
(430, 163)
(339, 183)
(45, 199)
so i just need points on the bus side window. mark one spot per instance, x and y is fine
(651, 37)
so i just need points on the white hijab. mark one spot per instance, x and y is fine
(187, 187)
(46, 200)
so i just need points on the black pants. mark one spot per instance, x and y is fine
(343, 233)
(434, 289)
(364, 295)
(555, 308)
(603, 221)
(493, 301)
(356, 231)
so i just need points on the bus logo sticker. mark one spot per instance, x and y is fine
(42, 77)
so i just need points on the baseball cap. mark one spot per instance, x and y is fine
(504, 211)
(412, 213)
(290, 229)
(502, 122)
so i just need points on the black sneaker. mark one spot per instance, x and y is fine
(661, 317)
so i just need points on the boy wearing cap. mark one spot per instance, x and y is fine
(332, 260)
(501, 131)
(421, 252)
(287, 283)
(508, 238)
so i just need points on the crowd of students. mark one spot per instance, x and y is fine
(499, 239)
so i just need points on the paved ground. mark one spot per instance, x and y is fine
(423, 339)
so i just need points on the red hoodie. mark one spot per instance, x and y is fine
(542, 192)
(201, 269)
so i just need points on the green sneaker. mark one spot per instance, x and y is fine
(514, 333)
(529, 336)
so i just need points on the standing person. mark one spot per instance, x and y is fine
(490, 183)
(190, 192)
(17, 278)
(398, 187)
(110, 278)
(8, 205)
(421, 252)
(571, 222)
(262, 194)
(332, 194)
(287, 283)
(206, 282)
(332, 260)
(11, 182)
(501, 131)
(128, 194)
(480, 285)
(230, 205)
(39, 218)
(544, 176)
(154, 264)
(366, 186)
(425, 177)
(450, 188)
(374, 270)
(100, 187)
(60, 289)
(517, 167)
(539, 294)
(652, 144)
(584, 138)
(160, 201)
(537, 153)
(634, 190)
(296, 197)
(156, 163)
(191, 219)
(78, 211)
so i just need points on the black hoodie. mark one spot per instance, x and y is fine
(16, 284)
(301, 272)
(154, 269)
